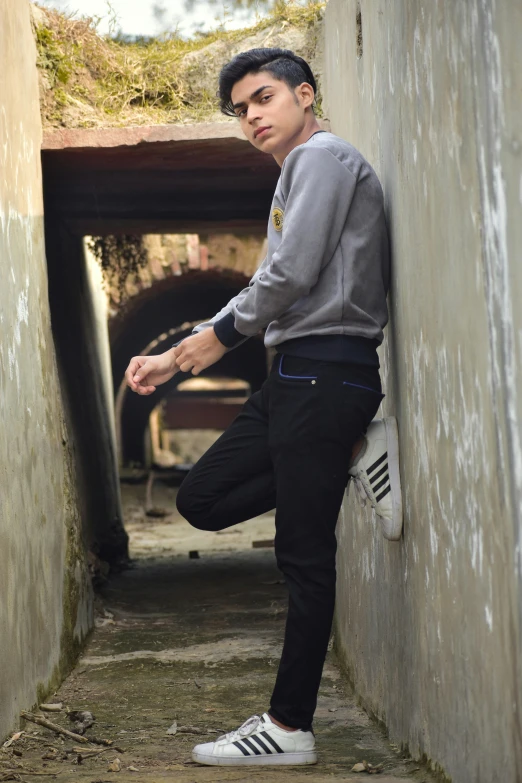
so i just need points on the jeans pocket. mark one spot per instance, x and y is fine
(294, 370)
(366, 388)
(293, 404)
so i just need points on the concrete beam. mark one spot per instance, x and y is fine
(170, 179)
(89, 225)
(165, 179)
(85, 138)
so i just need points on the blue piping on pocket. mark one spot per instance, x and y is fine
(358, 386)
(314, 377)
(299, 377)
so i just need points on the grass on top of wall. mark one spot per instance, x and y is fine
(90, 80)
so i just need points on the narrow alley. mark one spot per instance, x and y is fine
(134, 209)
(193, 641)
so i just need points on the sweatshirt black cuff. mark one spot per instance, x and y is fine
(226, 332)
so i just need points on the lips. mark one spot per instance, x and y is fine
(261, 131)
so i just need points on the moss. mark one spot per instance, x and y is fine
(51, 56)
(88, 80)
(71, 642)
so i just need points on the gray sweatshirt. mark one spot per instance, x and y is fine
(326, 272)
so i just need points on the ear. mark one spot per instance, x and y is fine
(306, 94)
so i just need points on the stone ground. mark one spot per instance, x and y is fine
(194, 641)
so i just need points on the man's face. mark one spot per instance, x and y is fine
(271, 114)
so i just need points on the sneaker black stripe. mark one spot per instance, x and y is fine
(377, 462)
(251, 746)
(243, 750)
(379, 473)
(261, 744)
(383, 493)
(272, 742)
(381, 483)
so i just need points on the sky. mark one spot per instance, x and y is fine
(135, 17)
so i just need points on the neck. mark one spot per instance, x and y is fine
(310, 127)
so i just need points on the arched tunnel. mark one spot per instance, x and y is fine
(196, 179)
(153, 312)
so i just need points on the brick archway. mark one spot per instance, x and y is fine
(166, 305)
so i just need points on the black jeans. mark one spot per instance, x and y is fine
(290, 449)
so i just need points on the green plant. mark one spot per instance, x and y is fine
(51, 57)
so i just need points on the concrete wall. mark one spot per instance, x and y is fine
(430, 628)
(81, 341)
(46, 602)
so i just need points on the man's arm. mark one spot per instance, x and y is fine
(144, 373)
(227, 311)
(319, 191)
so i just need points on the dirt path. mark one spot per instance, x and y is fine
(195, 641)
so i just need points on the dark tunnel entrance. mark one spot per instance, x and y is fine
(202, 179)
(161, 307)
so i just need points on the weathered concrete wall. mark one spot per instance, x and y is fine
(46, 602)
(82, 352)
(430, 628)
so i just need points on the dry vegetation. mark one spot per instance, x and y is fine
(89, 80)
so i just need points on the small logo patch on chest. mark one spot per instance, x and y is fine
(278, 217)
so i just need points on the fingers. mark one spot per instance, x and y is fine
(132, 369)
(145, 390)
(188, 365)
(184, 359)
(148, 367)
(136, 373)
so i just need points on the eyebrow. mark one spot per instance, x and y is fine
(254, 95)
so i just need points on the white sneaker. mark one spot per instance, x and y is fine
(376, 475)
(258, 741)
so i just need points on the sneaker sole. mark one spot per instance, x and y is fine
(393, 530)
(291, 759)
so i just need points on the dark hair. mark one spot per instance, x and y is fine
(281, 63)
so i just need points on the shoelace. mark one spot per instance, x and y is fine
(246, 728)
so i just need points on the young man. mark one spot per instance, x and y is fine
(321, 293)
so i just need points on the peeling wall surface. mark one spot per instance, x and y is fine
(46, 602)
(430, 627)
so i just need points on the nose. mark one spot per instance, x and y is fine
(253, 113)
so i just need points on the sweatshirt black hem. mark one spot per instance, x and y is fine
(333, 348)
(323, 347)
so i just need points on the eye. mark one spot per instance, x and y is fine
(240, 113)
(266, 96)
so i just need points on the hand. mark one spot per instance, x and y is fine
(199, 351)
(144, 373)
